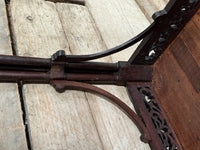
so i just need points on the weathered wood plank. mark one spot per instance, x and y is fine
(116, 130)
(149, 7)
(12, 133)
(118, 21)
(80, 30)
(57, 121)
(5, 47)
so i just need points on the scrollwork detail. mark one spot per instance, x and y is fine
(173, 25)
(159, 122)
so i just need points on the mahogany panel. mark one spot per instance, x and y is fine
(191, 37)
(186, 49)
(186, 61)
(196, 19)
(179, 99)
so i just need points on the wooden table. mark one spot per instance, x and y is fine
(36, 116)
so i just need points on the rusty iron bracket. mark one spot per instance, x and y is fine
(77, 72)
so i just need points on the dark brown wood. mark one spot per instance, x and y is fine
(24, 61)
(16, 76)
(131, 73)
(37, 70)
(179, 100)
(191, 37)
(45, 63)
(150, 110)
(186, 62)
(169, 22)
(196, 19)
(94, 66)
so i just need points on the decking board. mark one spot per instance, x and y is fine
(77, 120)
(110, 18)
(12, 132)
(149, 7)
(118, 21)
(57, 121)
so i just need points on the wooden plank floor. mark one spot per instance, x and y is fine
(12, 133)
(148, 7)
(73, 120)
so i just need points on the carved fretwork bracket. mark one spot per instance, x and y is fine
(168, 23)
(151, 112)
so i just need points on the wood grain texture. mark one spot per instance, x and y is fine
(196, 19)
(179, 99)
(74, 120)
(186, 61)
(176, 81)
(115, 129)
(12, 134)
(117, 22)
(149, 7)
(191, 37)
(57, 121)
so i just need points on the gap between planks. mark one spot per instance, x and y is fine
(12, 135)
(20, 84)
(75, 96)
(10, 27)
(86, 97)
(99, 107)
(77, 2)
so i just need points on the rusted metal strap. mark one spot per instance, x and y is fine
(61, 86)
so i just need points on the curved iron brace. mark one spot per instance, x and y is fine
(61, 86)
(78, 58)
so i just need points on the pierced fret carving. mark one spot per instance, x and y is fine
(173, 25)
(163, 131)
(169, 23)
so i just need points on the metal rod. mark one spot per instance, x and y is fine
(44, 64)
(24, 61)
(25, 68)
(34, 77)
(94, 66)
(15, 76)
(90, 77)
(61, 86)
